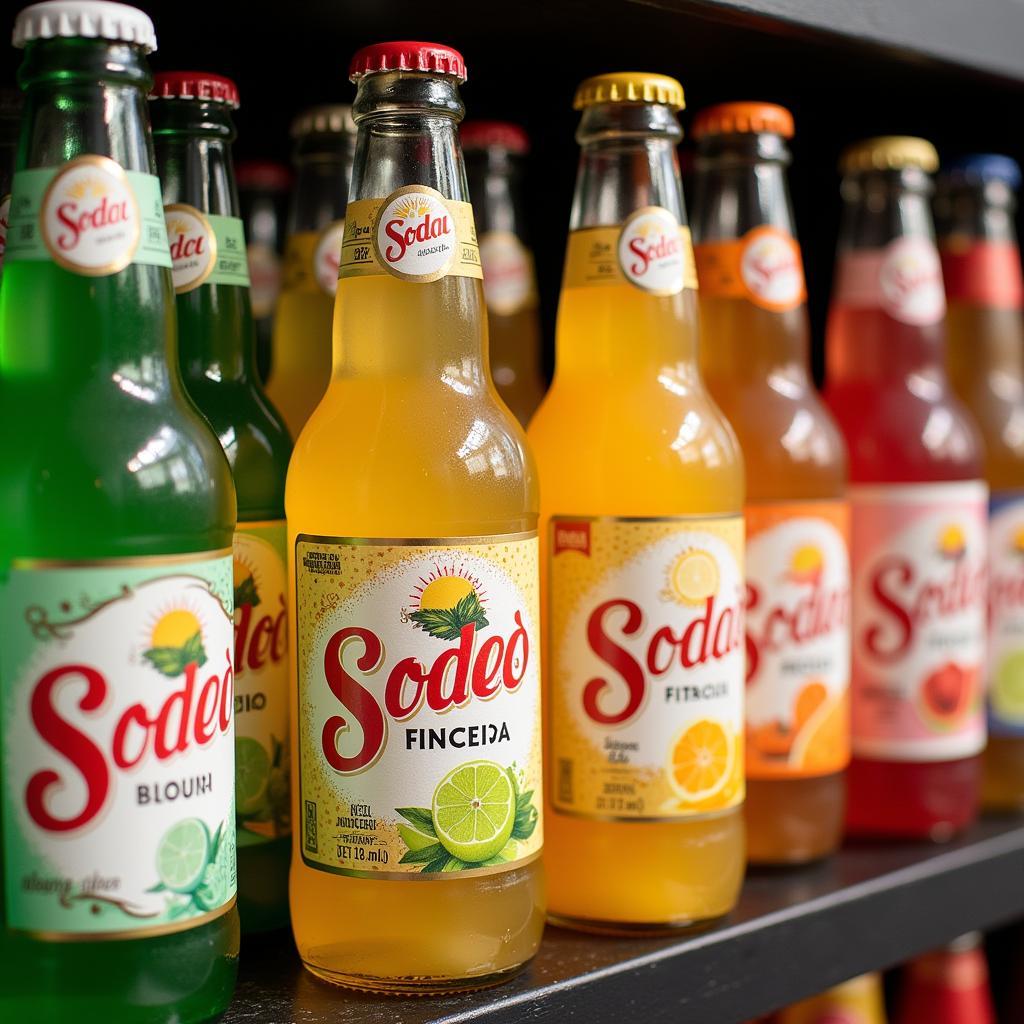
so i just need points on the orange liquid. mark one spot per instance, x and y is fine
(627, 429)
(411, 440)
(755, 365)
(515, 361)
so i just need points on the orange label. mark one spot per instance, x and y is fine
(764, 267)
(798, 639)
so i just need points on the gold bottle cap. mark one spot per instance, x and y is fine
(889, 153)
(329, 119)
(629, 87)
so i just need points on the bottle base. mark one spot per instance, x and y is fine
(633, 929)
(412, 986)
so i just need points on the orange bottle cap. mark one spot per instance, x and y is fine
(741, 118)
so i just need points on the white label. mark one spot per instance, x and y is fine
(911, 282)
(651, 253)
(772, 269)
(118, 746)
(327, 256)
(5, 213)
(508, 273)
(415, 235)
(193, 246)
(90, 217)
(919, 601)
(265, 274)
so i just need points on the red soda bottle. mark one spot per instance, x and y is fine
(948, 986)
(918, 507)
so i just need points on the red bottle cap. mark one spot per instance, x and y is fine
(194, 85)
(431, 58)
(263, 174)
(503, 134)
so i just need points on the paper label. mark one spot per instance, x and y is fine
(205, 248)
(1006, 615)
(764, 267)
(508, 273)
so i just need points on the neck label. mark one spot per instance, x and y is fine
(903, 279)
(205, 248)
(89, 216)
(509, 285)
(764, 267)
(5, 214)
(415, 234)
(982, 273)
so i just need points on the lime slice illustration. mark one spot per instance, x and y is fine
(252, 773)
(181, 855)
(213, 890)
(1008, 687)
(474, 809)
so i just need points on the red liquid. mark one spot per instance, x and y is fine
(888, 391)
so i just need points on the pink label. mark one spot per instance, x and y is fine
(919, 599)
(904, 279)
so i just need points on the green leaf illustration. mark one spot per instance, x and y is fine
(420, 818)
(424, 856)
(526, 816)
(444, 861)
(448, 623)
(193, 651)
(172, 661)
(246, 593)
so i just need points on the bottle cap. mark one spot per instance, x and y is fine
(263, 174)
(194, 85)
(743, 118)
(500, 134)
(85, 19)
(328, 119)
(629, 87)
(429, 58)
(889, 153)
(980, 168)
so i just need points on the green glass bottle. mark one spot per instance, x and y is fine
(116, 799)
(192, 133)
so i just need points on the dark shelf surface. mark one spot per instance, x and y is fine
(793, 933)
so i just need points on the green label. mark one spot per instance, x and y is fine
(206, 248)
(262, 767)
(117, 725)
(89, 215)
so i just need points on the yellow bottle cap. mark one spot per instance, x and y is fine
(889, 152)
(629, 87)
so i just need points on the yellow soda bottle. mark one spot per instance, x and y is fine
(642, 527)
(412, 513)
(300, 363)
(857, 1001)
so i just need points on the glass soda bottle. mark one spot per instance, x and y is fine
(642, 522)
(857, 1001)
(192, 134)
(755, 359)
(417, 747)
(495, 151)
(300, 361)
(918, 507)
(263, 188)
(975, 211)
(115, 566)
(948, 986)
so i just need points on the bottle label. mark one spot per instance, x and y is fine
(919, 589)
(205, 248)
(262, 767)
(509, 284)
(904, 280)
(982, 273)
(327, 256)
(646, 684)
(89, 215)
(311, 260)
(764, 267)
(419, 705)
(415, 234)
(1006, 615)
(5, 213)
(118, 783)
(798, 639)
(265, 278)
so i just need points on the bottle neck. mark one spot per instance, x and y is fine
(495, 184)
(628, 163)
(323, 169)
(741, 187)
(193, 152)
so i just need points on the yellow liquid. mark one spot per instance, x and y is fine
(410, 440)
(792, 452)
(628, 430)
(301, 360)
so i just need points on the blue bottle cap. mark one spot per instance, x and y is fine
(978, 168)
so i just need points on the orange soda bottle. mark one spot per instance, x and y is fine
(416, 863)
(754, 358)
(300, 362)
(975, 211)
(642, 499)
(494, 155)
(948, 986)
(857, 1001)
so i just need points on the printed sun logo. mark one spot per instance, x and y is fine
(244, 581)
(952, 542)
(447, 601)
(692, 577)
(176, 642)
(411, 208)
(806, 565)
(177, 227)
(87, 187)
